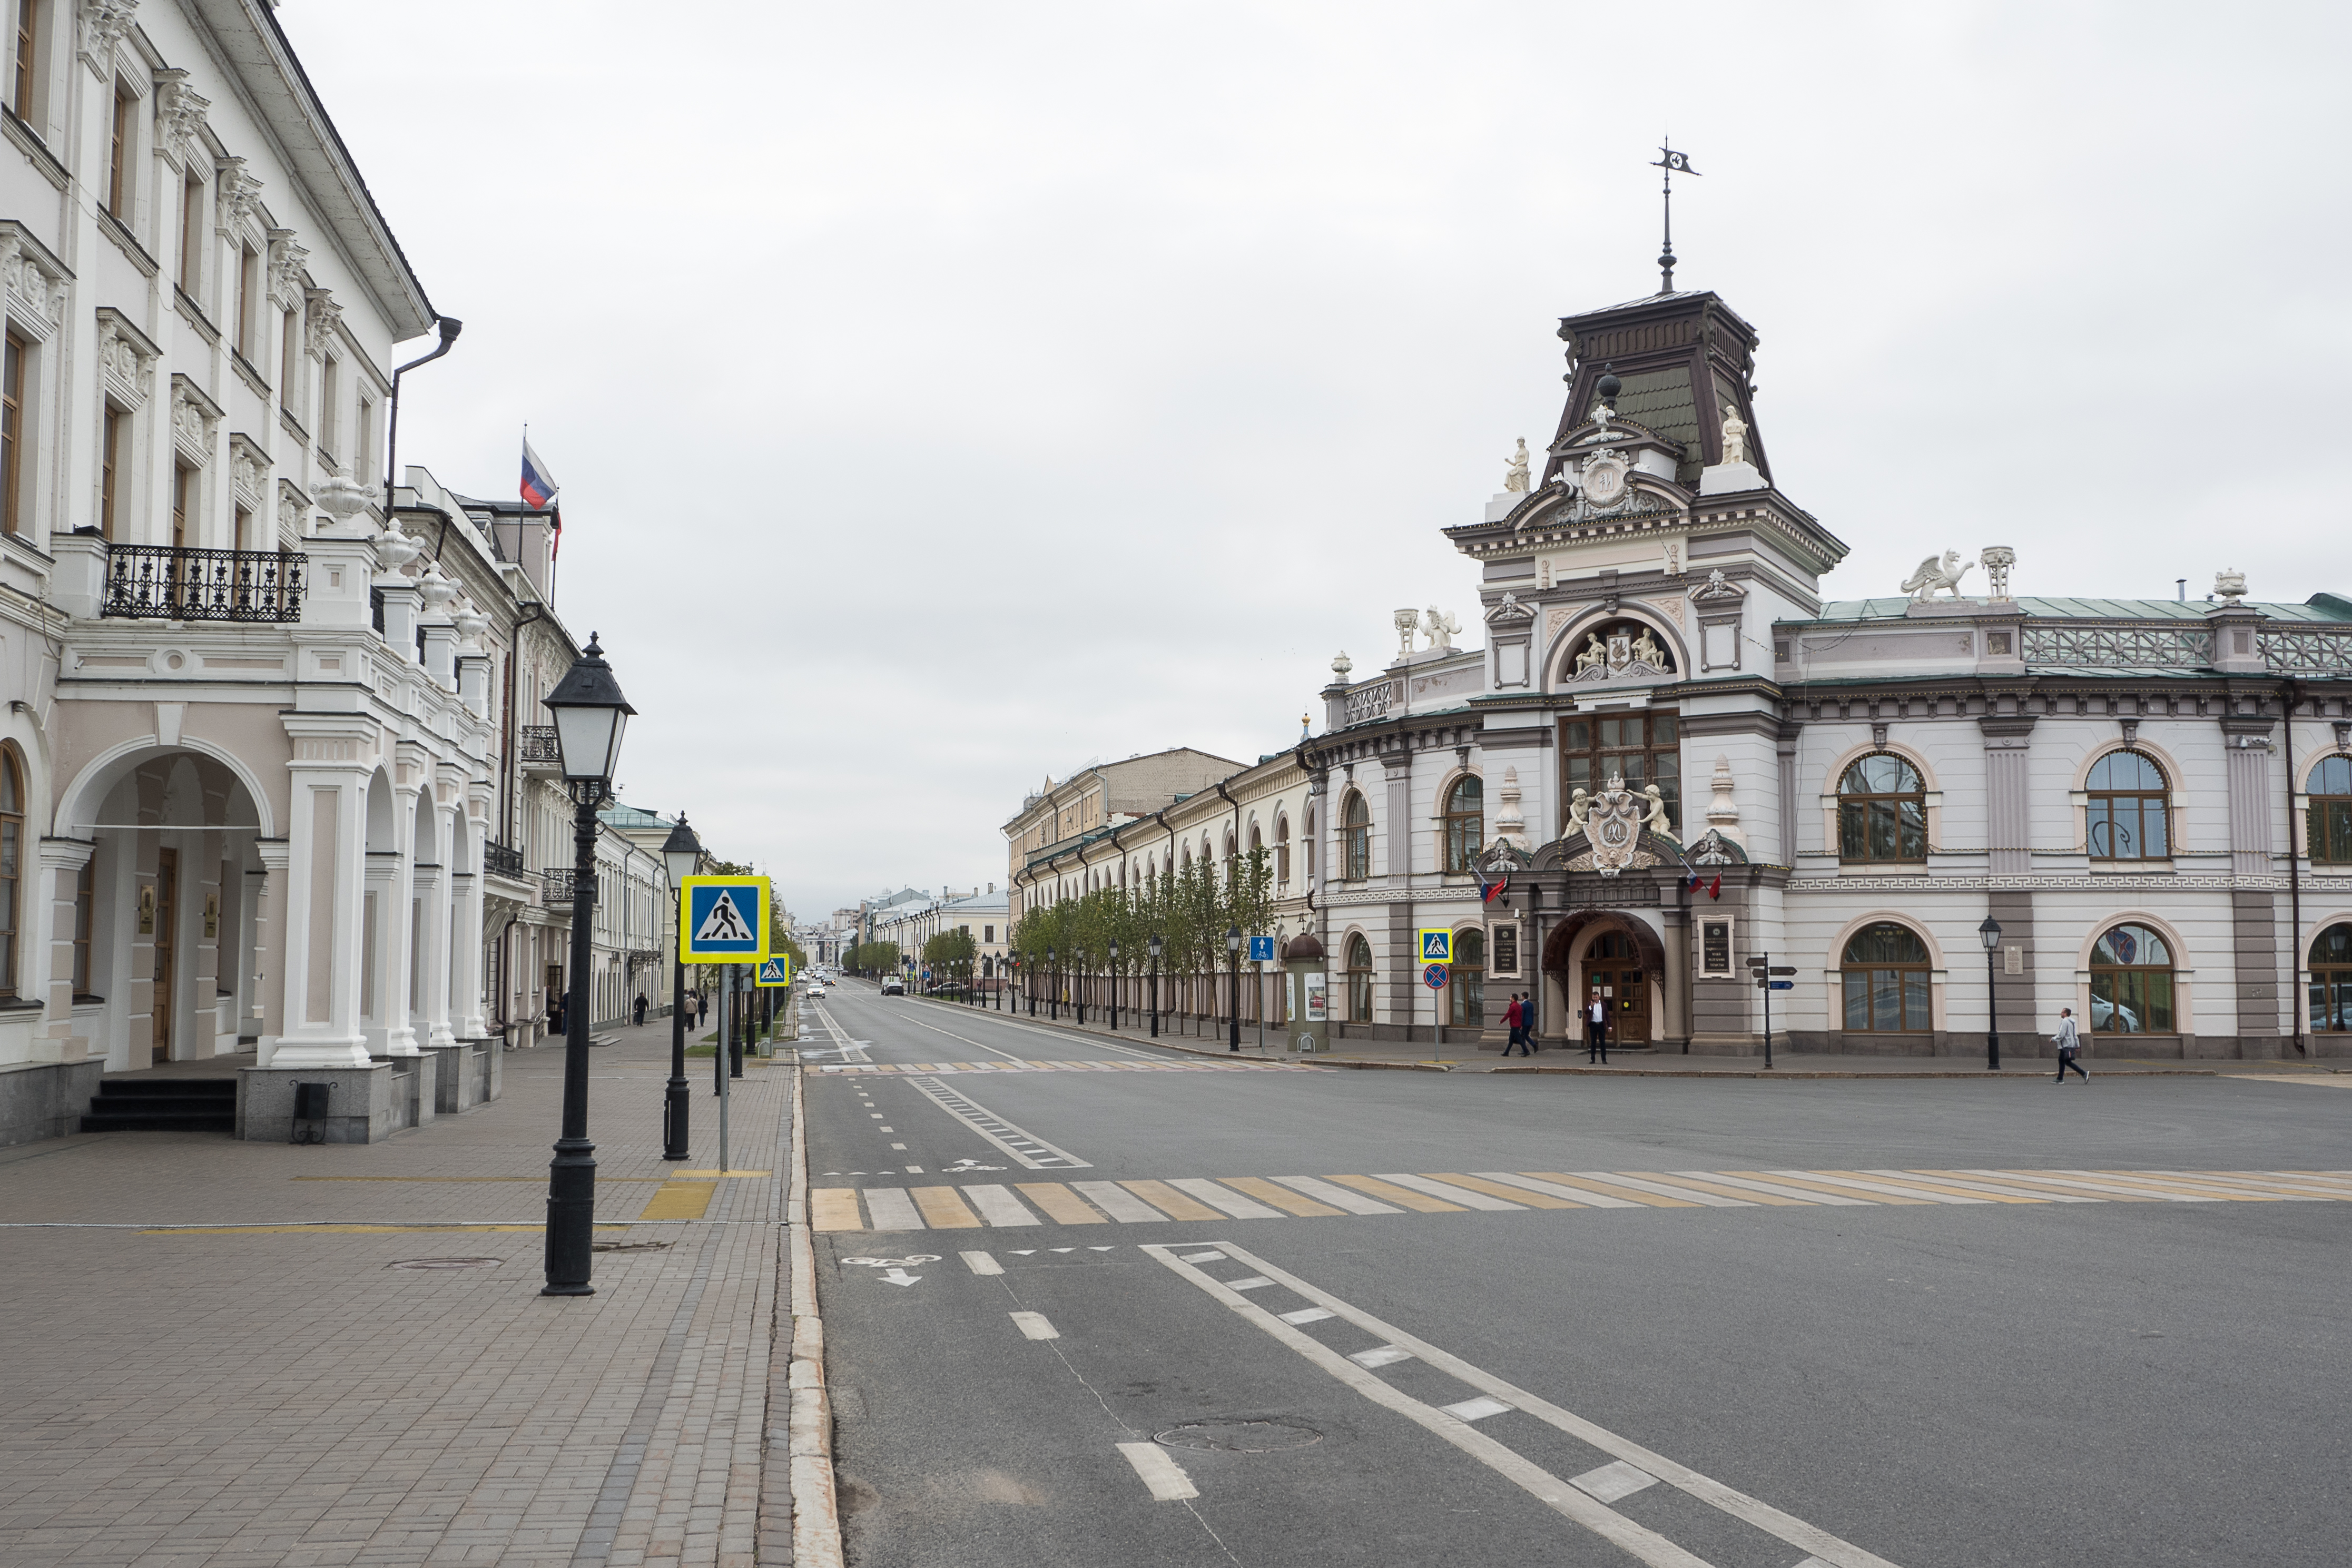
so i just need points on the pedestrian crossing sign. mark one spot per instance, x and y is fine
(722, 920)
(776, 971)
(1436, 947)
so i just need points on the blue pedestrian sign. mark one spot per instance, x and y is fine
(722, 920)
(1436, 945)
(1260, 949)
(776, 971)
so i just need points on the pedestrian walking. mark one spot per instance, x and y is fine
(1516, 1015)
(701, 1009)
(1596, 1030)
(641, 1009)
(2070, 1045)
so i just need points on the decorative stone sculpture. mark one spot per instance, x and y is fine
(1514, 477)
(1342, 665)
(1997, 559)
(1646, 651)
(1510, 824)
(394, 551)
(1440, 629)
(2231, 584)
(1595, 654)
(436, 590)
(1407, 621)
(1722, 815)
(1735, 437)
(342, 497)
(1932, 574)
(1654, 818)
(1612, 822)
(1578, 806)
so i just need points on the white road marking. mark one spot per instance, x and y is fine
(2054, 1179)
(899, 1277)
(1061, 1249)
(1216, 1197)
(1830, 1198)
(1035, 1327)
(1462, 1196)
(914, 1170)
(1380, 1356)
(1254, 1282)
(981, 1263)
(1688, 1195)
(1617, 1479)
(1022, 1252)
(998, 1206)
(889, 1209)
(1034, 1153)
(1639, 1540)
(1858, 1185)
(1163, 1476)
(1202, 1257)
(898, 1146)
(1992, 1187)
(1553, 1189)
(1336, 1197)
(1477, 1409)
(1116, 1201)
(1062, 1036)
(1308, 1315)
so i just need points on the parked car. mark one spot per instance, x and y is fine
(894, 986)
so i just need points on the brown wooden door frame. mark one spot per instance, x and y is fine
(167, 901)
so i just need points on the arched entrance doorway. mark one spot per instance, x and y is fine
(1619, 955)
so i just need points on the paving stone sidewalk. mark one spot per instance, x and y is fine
(235, 1395)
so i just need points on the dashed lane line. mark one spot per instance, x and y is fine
(1033, 1151)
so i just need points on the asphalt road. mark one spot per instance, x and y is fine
(2128, 1377)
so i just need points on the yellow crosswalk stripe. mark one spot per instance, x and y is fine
(1403, 1196)
(1899, 1178)
(2202, 1190)
(1789, 1179)
(1724, 1189)
(834, 1208)
(1174, 1204)
(2025, 1180)
(1623, 1194)
(943, 1209)
(1060, 1203)
(1497, 1190)
(1282, 1197)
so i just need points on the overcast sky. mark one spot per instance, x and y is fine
(945, 395)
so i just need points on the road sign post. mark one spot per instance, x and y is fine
(1764, 969)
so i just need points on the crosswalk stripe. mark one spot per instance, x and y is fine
(1449, 1191)
(2025, 1183)
(1906, 1180)
(1520, 1196)
(1232, 1203)
(1389, 1192)
(943, 1209)
(1797, 1179)
(1645, 1183)
(1698, 1181)
(889, 1209)
(2157, 1184)
(1060, 1203)
(1745, 1184)
(2336, 1182)
(1617, 1193)
(999, 1206)
(1117, 1202)
(1975, 1184)
(2112, 1189)
(1553, 1189)
(834, 1208)
(1281, 1198)
(1337, 1196)
(2296, 1190)
(1161, 1196)
(1855, 1181)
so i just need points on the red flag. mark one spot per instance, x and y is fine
(1715, 888)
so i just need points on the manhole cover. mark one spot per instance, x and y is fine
(447, 1263)
(1239, 1437)
(629, 1247)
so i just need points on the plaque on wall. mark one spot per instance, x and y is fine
(1503, 944)
(1715, 947)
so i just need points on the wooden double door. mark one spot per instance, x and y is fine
(1615, 968)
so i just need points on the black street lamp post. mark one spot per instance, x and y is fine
(590, 715)
(1114, 985)
(1155, 945)
(1053, 987)
(1234, 993)
(1989, 934)
(681, 855)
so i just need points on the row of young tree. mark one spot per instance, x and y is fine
(871, 959)
(1191, 911)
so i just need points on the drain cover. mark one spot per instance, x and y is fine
(447, 1263)
(1239, 1437)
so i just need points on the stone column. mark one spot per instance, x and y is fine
(61, 862)
(472, 1020)
(327, 846)
(434, 884)
(2009, 794)
(395, 924)
(266, 890)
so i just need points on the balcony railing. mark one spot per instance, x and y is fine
(499, 860)
(159, 582)
(556, 884)
(535, 746)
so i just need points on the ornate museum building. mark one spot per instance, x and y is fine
(1684, 758)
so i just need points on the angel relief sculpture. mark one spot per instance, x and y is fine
(1623, 650)
(1595, 655)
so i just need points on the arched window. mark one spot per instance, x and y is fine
(12, 863)
(2331, 810)
(1282, 850)
(2127, 811)
(1359, 980)
(1885, 973)
(2331, 980)
(1881, 811)
(1358, 834)
(2131, 983)
(1465, 824)
(1466, 985)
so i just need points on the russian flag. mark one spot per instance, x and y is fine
(539, 487)
(1489, 891)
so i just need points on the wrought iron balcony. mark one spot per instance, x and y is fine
(536, 749)
(161, 583)
(556, 884)
(499, 860)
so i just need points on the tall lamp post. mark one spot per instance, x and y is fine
(1114, 985)
(1052, 987)
(590, 715)
(681, 857)
(1989, 934)
(1155, 945)
(1234, 994)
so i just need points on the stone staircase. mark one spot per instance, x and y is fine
(164, 1105)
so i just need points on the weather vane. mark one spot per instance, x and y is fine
(1674, 163)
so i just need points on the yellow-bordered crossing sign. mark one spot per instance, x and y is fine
(722, 919)
(776, 971)
(1436, 947)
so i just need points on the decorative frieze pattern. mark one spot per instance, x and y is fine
(2097, 645)
(2307, 650)
(196, 421)
(126, 360)
(35, 285)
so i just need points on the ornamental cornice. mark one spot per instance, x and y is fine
(104, 23)
(196, 421)
(1983, 883)
(126, 358)
(179, 118)
(236, 200)
(34, 282)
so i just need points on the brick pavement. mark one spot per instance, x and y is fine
(234, 1396)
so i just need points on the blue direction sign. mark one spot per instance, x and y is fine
(722, 920)
(1260, 949)
(1433, 976)
(1784, 984)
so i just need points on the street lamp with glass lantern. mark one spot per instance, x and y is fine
(1234, 992)
(681, 857)
(1155, 945)
(590, 716)
(1989, 934)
